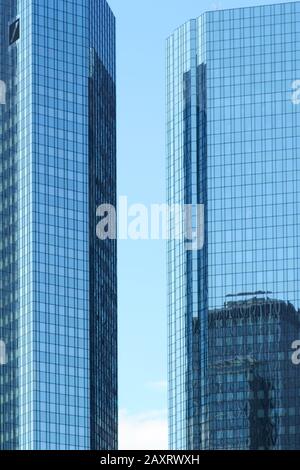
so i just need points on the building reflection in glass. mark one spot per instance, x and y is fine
(253, 391)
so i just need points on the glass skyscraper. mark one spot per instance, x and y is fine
(58, 282)
(233, 145)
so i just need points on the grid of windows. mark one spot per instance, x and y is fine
(58, 157)
(232, 144)
(52, 327)
(103, 254)
(187, 167)
(254, 395)
(9, 298)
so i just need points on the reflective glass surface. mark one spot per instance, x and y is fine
(59, 388)
(233, 145)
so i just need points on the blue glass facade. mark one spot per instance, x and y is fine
(233, 145)
(103, 254)
(9, 277)
(57, 147)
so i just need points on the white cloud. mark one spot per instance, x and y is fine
(145, 431)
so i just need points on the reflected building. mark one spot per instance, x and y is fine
(254, 397)
(58, 283)
(233, 145)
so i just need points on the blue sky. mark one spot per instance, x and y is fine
(142, 27)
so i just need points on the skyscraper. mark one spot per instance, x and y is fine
(58, 317)
(233, 144)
